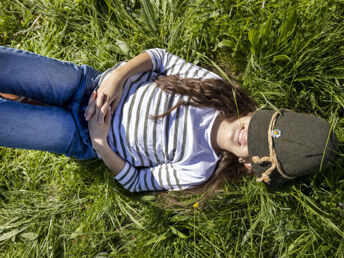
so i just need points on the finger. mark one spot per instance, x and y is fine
(103, 111)
(99, 104)
(90, 111)
(91, 106)
(108, 116)
(92, 97)
(114, 105)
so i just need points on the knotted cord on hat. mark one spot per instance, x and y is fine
(272, 158)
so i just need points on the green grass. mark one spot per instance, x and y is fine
(286, 54)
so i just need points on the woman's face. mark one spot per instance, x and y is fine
(235, 140)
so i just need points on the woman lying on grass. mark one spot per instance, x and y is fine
(157, 122)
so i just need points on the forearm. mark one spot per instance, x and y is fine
(139, 64)
(114, 163)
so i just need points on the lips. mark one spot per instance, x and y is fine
(241, 132)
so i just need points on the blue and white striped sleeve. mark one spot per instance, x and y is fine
(166, 63)
(165, 176)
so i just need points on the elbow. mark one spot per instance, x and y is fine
(132, 190)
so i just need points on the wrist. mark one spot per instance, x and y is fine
(100, 145)
(120, 74)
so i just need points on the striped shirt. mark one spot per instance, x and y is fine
(171, 153)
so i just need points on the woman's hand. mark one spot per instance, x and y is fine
(110, 91)
(99, 132)
(107, 96)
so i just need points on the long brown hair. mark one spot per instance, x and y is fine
(228, 98)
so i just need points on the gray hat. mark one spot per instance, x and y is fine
(285, 145)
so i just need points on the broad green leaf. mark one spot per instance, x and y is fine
(178, 233)
(250, 231)
(281, 58)
(155, 239)
(29, 235)
(253, 37)
(151, 17)
(287, 27)
(227, 43)
(265, 29)
(124, 49)
(9, 235)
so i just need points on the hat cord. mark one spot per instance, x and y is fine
(273, 157)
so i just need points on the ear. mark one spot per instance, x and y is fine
(248, 166)
(246, 163)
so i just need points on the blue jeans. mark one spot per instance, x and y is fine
(64, 88)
